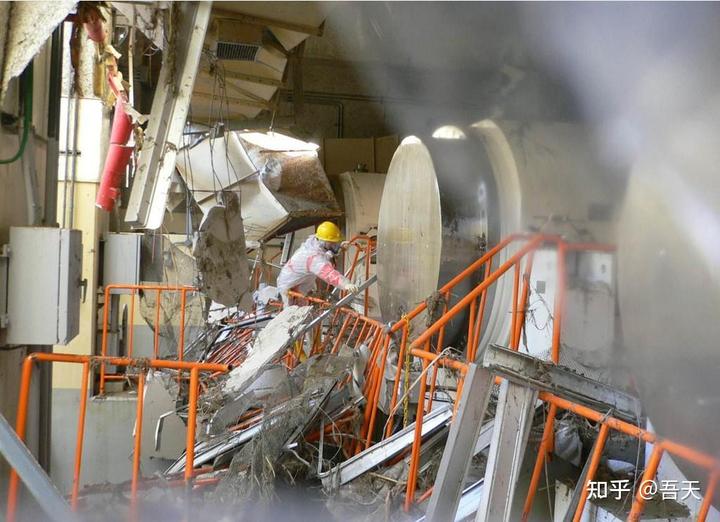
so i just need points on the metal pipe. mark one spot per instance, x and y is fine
(412, 473)
(376, 395)
(52, 156)
(191, 423)
(707, 498)
(156, 334)
(594, 463)
(539, 461)
(76, 117)
(559, 302)
(515, 291)
(131, 323)
(20, 424)
(638, 504)
(80, 435)
(138, 443)
(481, 314)
(181, 343)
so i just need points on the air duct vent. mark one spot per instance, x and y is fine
(237, 51)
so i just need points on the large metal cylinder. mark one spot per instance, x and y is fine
(445, 198)
(362, 192)
(433, 219)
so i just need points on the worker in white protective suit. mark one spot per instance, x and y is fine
(313, 260)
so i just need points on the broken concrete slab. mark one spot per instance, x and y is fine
(219, 251)
(272, 382)
(164, 435)
(270, 343)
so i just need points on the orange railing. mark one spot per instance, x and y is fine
(344, 324)
(607, 423)
(89, 363)
(429, 352)
(134, 290)
(366, 246)
(428, 344)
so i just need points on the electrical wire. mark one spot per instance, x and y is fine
(422, 373)
(27, 81)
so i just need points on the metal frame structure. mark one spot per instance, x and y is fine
(89, 363)
(134, 290)
(163, 137)
(33, 476)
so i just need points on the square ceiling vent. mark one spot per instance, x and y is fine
(237, 42)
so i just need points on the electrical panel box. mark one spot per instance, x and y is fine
(121, 259)
(44, 285)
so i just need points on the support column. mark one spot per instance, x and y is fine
(513, 419)
(163, 137)
(460, 446)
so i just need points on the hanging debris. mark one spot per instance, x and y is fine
(219, 251)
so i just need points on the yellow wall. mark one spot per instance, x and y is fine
(91, 221)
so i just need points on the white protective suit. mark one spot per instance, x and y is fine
(311, 260)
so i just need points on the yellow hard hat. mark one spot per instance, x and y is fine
(327, 231)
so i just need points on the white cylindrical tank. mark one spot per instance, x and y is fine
(444, 199)
(361, 193)
(546, 177)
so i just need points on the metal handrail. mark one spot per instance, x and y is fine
(89, 362)
(134, 289)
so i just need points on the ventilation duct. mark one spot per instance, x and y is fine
(237, 41)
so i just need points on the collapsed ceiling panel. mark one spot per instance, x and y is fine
(280, 178)
(25, 29)
(240, 72)
(149, 19)
(247, 54)
(290, 22)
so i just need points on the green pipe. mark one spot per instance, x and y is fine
(27, 82)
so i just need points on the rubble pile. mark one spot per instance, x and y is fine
(283, 420)
(312, 421)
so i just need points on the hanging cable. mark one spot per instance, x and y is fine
(27, 90)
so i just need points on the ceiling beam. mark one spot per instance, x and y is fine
(233, 100)
(171, 102)
(252, 78)
(268, 22)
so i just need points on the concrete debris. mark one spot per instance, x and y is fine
(219, 251)
(284, 432)
(269, 344)
(163, 436)
(25, 29)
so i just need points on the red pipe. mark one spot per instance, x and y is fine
(113, 174)
(118, 156)
(122, 124)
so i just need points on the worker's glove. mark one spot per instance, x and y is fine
(351, 288)
(345, 245)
